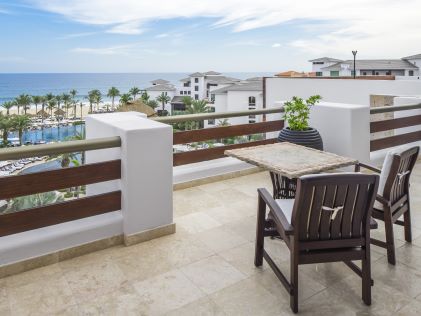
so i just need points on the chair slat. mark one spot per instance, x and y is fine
(341, 194)
(359, 209)
(348, 210)
(317, 203)
(305, 212)
(325, 217)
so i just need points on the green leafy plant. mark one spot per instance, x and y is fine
(297, 112)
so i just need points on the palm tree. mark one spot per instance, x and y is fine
(187, 100)
(44, 101)
(5, 125)
(20, 123)
(23, 100)
(81, 110)
(91, 99)
(66, 100)
(125, 98)
(73, 94)
(197, 107)
(94, 96)
(7, 106)
(58, 99)
(112, 93)
(36, 99)
(164, 99)
(145, 97)
(51, 104)
(134, 92)
(153, 104)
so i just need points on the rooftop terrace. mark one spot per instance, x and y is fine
(206, 268)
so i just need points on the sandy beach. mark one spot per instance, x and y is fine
(31, 111)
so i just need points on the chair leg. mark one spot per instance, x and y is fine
(407, 224)
(294, 283)
(366, 277)
(390, 241)
(260, 227)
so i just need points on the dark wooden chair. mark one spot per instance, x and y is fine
(329, 221)
(392, 200)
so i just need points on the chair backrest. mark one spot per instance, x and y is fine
(333, 206)
(396, 184)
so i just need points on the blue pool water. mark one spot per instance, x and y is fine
(50, 134)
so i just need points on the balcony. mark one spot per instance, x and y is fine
(206, 267)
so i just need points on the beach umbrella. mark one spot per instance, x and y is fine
(43, 113)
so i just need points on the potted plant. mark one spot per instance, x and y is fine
(298, 131)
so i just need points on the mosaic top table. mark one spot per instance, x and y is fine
(286, 162)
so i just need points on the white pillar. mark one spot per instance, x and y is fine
(146, 179)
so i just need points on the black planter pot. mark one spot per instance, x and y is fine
(309, 138)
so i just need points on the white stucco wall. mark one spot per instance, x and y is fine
(337, 90)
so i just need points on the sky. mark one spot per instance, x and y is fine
(200, 35)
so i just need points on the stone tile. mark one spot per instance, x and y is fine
(123, 301)
(4, 299)
(181, 250)
(44, 296)
(409, 255)
(201, 307)
(166, 292)
(242, 258)
(307, 287)
(232, 212)
(220, 239)
(196, 222)
(89, 259)
(411, 309)
(193, 200)
(248, 298)
(385, 299)
(245, 227)
(212, 274)
(94, 280)
(142, 261)
(401, 278)
(325, 303)
(32, 275)
(326, 274)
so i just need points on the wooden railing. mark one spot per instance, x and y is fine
(392, 124)
(46, 181)
(213, 133)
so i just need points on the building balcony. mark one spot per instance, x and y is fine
(163, 233)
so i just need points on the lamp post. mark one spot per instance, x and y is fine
(354, 52)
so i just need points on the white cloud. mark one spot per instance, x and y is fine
(163, 35)
(377, 27)
(12, 59)
(112, 50)
(77, 35)
(276, 45)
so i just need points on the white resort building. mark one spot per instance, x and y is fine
(405, 67)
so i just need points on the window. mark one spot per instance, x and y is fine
(196, 88)
(212, 98)
(410, 73)
(212, 110)
(166, 93)
(181, 92)
(196, 97)
(196, 80)
(352, 73)
(318, 62)
(189, 92)
(187, 84)
(319, 74)
(334, 73)
(377, 73)
(388, 73)
(252, 101)
(364, 73)
(373, 72)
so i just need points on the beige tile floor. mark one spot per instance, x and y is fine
(206, 268)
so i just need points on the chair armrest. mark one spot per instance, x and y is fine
(382, 200)
(276, 210)
(365, 166)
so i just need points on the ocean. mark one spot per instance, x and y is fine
(11, 85)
